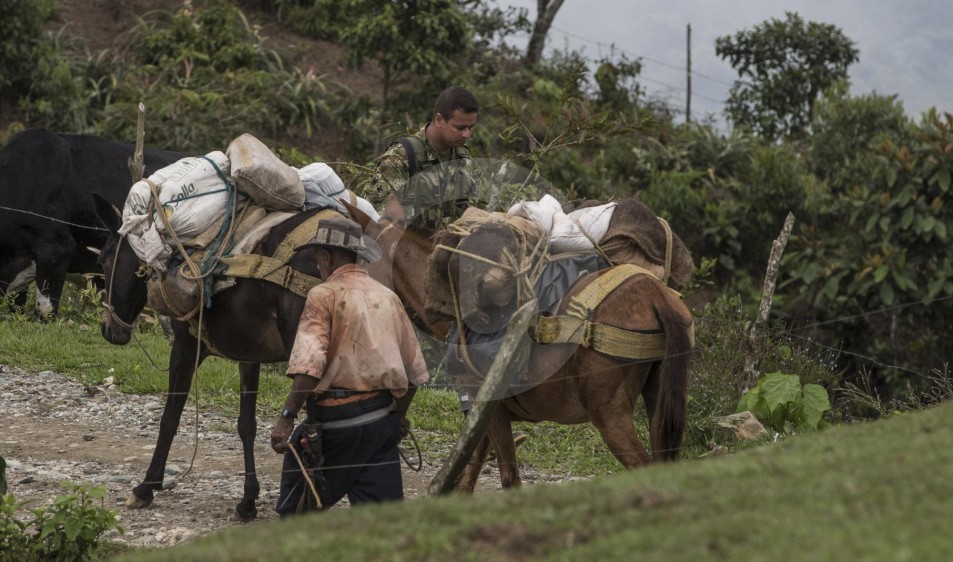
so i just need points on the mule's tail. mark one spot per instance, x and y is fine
(671, 411)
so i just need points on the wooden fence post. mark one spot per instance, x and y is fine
(753, 347)
(504, 369)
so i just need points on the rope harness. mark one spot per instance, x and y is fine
(575, 326)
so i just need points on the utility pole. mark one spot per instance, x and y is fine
(688, 73)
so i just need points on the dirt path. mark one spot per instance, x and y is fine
(53, 429)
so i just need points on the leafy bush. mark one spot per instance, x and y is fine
(718, 375)
(68, 529)
(781, 403)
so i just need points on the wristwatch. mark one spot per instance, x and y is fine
(288, 414)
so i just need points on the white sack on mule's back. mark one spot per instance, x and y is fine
(263, 176)
(192, 195)
(567, 233)
(324, 188)
(579, 229)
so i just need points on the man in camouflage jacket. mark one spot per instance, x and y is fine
(431, 171)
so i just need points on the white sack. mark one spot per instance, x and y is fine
(574, 232)
(542, 212)
(263, 176)
(192, 195)
(324, 188)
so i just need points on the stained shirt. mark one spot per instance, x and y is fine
(356, 331)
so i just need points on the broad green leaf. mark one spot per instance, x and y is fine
(928, 223)
(943, 178)
(935, 287)
(881, 273)
(816, 402)
(891, 176)
(907, 218)
(887, 294)
(779, 388)
(940, 231)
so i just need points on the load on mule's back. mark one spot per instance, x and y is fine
(243, 254)
(617, 332)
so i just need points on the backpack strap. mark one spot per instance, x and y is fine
(414, 148)
(411, 155)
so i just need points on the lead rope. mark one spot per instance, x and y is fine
(307, 477)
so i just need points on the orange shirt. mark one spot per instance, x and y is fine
(356, 331)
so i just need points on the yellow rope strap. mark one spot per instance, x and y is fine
(275, 268)
(575, 326)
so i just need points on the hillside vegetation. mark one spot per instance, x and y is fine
(873, 491)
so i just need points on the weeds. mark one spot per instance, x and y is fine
(68, 529)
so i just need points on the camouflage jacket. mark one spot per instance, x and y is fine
(439, 190)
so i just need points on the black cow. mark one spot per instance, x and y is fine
(47, 214)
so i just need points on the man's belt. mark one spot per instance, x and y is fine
(356, 421)
(341, 396)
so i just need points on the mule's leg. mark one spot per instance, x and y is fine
(181, 369)
(611, 415)
(247, 429)
(500, 433)
(650, 393)
(471, 473)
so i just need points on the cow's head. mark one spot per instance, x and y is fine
(126, 293)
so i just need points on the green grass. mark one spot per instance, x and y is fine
(74, 346)
(871, 491)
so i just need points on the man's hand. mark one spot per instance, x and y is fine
(280, 435)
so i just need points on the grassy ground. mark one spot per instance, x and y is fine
(74, 346)
(872, 491)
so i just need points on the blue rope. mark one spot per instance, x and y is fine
(208, 262)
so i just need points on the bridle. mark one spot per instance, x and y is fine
(108, 305)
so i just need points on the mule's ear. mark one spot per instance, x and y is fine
(108, 214)
(393, 209)
(357, 215)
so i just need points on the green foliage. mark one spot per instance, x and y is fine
(414, 42)
(882, 247)
(213, 33)
(618, 90)
(846, 133)
(21, 26)
(3, 476)
(205, 78)
(782, 67)
(780, 402)
(68, 529)
(718, 373)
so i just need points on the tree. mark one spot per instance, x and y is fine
(409, 39)
(545, 14)
(783, 66)
(872, 272)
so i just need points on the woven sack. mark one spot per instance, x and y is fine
(263, 176)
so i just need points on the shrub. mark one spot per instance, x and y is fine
(68, 529)
(781, 403)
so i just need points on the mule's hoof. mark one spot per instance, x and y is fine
(133, 502)
(237, 517)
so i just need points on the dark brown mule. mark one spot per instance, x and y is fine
(253, 322)
(579, 385)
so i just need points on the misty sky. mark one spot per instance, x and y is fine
(904, 44)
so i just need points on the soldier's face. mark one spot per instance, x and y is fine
(456, 130)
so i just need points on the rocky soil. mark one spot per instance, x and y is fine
(54, 429)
